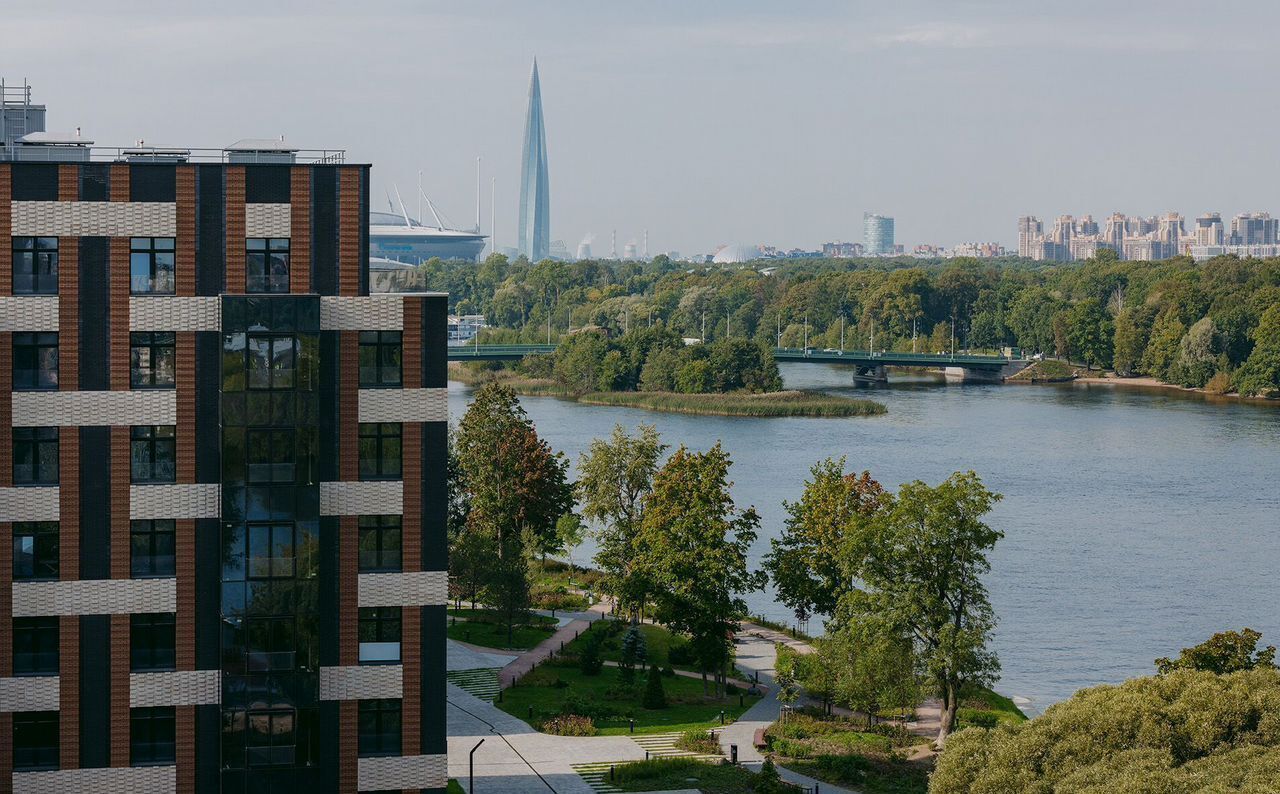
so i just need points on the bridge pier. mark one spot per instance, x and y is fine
(983, 374)
(870, 374)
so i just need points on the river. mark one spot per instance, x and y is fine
(1136, 522)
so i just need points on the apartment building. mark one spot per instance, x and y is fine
(222, 475)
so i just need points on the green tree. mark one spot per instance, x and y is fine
(1260, 374)
(873, 666)
(635, 651)
(1196, 354)
(1165, 344)
(517, 487)
(1089, 333)
(1130, 341)
(614, 478)
(693, 546)
(919, 563)
(655, 697)
(1224, 652)
(570, 532)
(806, 562)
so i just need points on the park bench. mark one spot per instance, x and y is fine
(758, 739)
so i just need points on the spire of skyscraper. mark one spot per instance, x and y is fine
(535, 195)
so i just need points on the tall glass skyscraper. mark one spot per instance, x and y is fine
(535, 194)
(877, 237)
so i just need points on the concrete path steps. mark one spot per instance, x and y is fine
(481, 682)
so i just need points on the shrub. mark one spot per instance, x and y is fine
(977, 719)
(569, 725)
(1220, 383)
(698, 740)
(576, 705)
(589, 661)
(655, 697)
(845, 768)
(680, 654)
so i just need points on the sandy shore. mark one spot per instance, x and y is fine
(1152, 383)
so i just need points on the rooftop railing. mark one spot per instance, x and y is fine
(70, 152)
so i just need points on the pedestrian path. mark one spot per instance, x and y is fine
(663, 745)
(481, 682)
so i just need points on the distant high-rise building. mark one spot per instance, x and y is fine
(1030, 230)
(877, 239)
(1209, 229)
(629, 250)
(535, 197)
(1253, 228)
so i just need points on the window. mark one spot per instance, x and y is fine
(379, 727)
(266, 264)
(270, 456)
(35, 740)
(151, 641)
(151, 736)
(35, 456)
(380, 540)
(35, 266)
(270, 643)
(151, 265)
(151, 547)
(272, 359)
(35, 646)
(271, 551)
(153, 455)
(379, 631)
(380, 358)
(151, 359)
(35, 550)
(380, 451)
(35, 360)
(270, 739)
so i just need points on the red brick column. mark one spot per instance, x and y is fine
(69, 690)
(68, 182)
(6, 231)
(118, 314)
(300, 230)
(185, 244)
(119, 690)
(235, 229)
(68, 313)
(411, 336)
(349, 231)
(119, 182)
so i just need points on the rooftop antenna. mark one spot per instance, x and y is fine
(477, 195)
(403, 211)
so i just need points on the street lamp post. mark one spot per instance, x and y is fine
(471, 767)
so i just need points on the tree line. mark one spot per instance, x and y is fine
(1214, 324)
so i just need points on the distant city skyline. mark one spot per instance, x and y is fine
(706, 123)
(1071, 238)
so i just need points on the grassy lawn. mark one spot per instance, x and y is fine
(485, 628)
(658, 641)
(980, 701)
(560, 687)
(673, 774)
(455, 787)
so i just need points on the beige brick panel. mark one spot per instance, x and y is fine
(172, 313)
(94, 219)
(361, 498)
(106, 780)
(31, 693)
(367, 313)
(402, 772)
(81, 408)
(182, 688)
(28, 312)
(404, 405)
(174, 501)
(94, 597)
(30, 503)
(267, 220)
(361, 682)
(412, 589)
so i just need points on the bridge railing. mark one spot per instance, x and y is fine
(887, 355)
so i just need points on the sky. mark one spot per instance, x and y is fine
(705, 122)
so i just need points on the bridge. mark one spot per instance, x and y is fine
(868, 364)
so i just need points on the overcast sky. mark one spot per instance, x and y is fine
(705, 122)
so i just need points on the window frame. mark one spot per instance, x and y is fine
(274, 374)
(148, 250)
(153, 440)
(281, 445)
(271, 716)
(154, 531)
(43, 657)
(378, 713)
(259, 257)
(44, 756)
(148, 649)
(39, 440)
(30, 349)
(378, 346)
(152, 342)
(254, 531)
(380, 627)
(40, 251)
(46, 542)
(160, 726)
(377, 527)
(379, 437)
(269, 656)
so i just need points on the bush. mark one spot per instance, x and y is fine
(589, 661)
(977, 719)
(655, 697)
(845, 768)
(698, 740)
(569, 725)
(1220, 383)
(576, 705)
(680, 654)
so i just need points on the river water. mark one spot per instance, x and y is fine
(1136, 522)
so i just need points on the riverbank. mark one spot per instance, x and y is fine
(1108, 379)
(793, 402)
